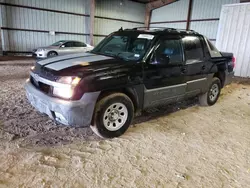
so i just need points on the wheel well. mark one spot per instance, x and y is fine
(222, 76)
(53, 51)
(125, 91)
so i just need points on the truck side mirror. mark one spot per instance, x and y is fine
(164, 59)
(160, 61)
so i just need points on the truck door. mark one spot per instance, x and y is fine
(164, 73)
(195, 76)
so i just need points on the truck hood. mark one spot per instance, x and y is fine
(80, 63)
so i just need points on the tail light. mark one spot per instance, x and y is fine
(234, 61)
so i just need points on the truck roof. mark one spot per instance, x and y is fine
(160, 31)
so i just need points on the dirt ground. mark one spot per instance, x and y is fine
(180, 145)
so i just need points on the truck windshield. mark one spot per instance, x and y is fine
(126, 46)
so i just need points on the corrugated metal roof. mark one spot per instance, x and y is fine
(108, 26)
(26, 41)
(76, 6)
(23, 18)
(42, 20)
(126, 10)
(207, 28)
(203, 9)
(171, 25)
(174, 11)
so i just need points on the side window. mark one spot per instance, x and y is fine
(69, 44)
(79, 44)
(193, 48)
(171, 48)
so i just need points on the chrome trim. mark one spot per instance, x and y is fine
(198, 80)
(48, 82)
(163, 88)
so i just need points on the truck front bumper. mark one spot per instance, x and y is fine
(73, 113)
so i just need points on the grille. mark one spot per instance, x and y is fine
(45, 73)
(41, 86)
(48, 75)
(44, 87)
(34, 83)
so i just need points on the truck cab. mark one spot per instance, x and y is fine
(129, 71)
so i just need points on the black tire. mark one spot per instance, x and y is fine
(98, 123)
(205, 99)
(52, 54)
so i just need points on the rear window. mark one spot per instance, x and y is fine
(193, 48)
(79, 44)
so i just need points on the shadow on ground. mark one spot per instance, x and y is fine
(57, 134)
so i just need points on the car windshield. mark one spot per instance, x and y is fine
(126, 46)
(59, 43)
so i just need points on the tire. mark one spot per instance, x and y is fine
(113, 115)
(52, 54)
(210, 97)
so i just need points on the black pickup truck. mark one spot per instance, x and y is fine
(129, 71)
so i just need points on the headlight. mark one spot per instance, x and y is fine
(66, 90)
(71, 80)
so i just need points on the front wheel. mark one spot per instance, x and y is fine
(113, 115)
(52, 54)
(211, 96)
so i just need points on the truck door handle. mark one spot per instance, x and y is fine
(203, 67)
(183, 70)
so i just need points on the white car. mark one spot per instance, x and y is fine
(62, 47)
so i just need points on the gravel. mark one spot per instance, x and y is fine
(179, 145)
(25, 123)
(22, 121)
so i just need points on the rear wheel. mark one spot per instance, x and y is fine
(113, 115)
(211, 96)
